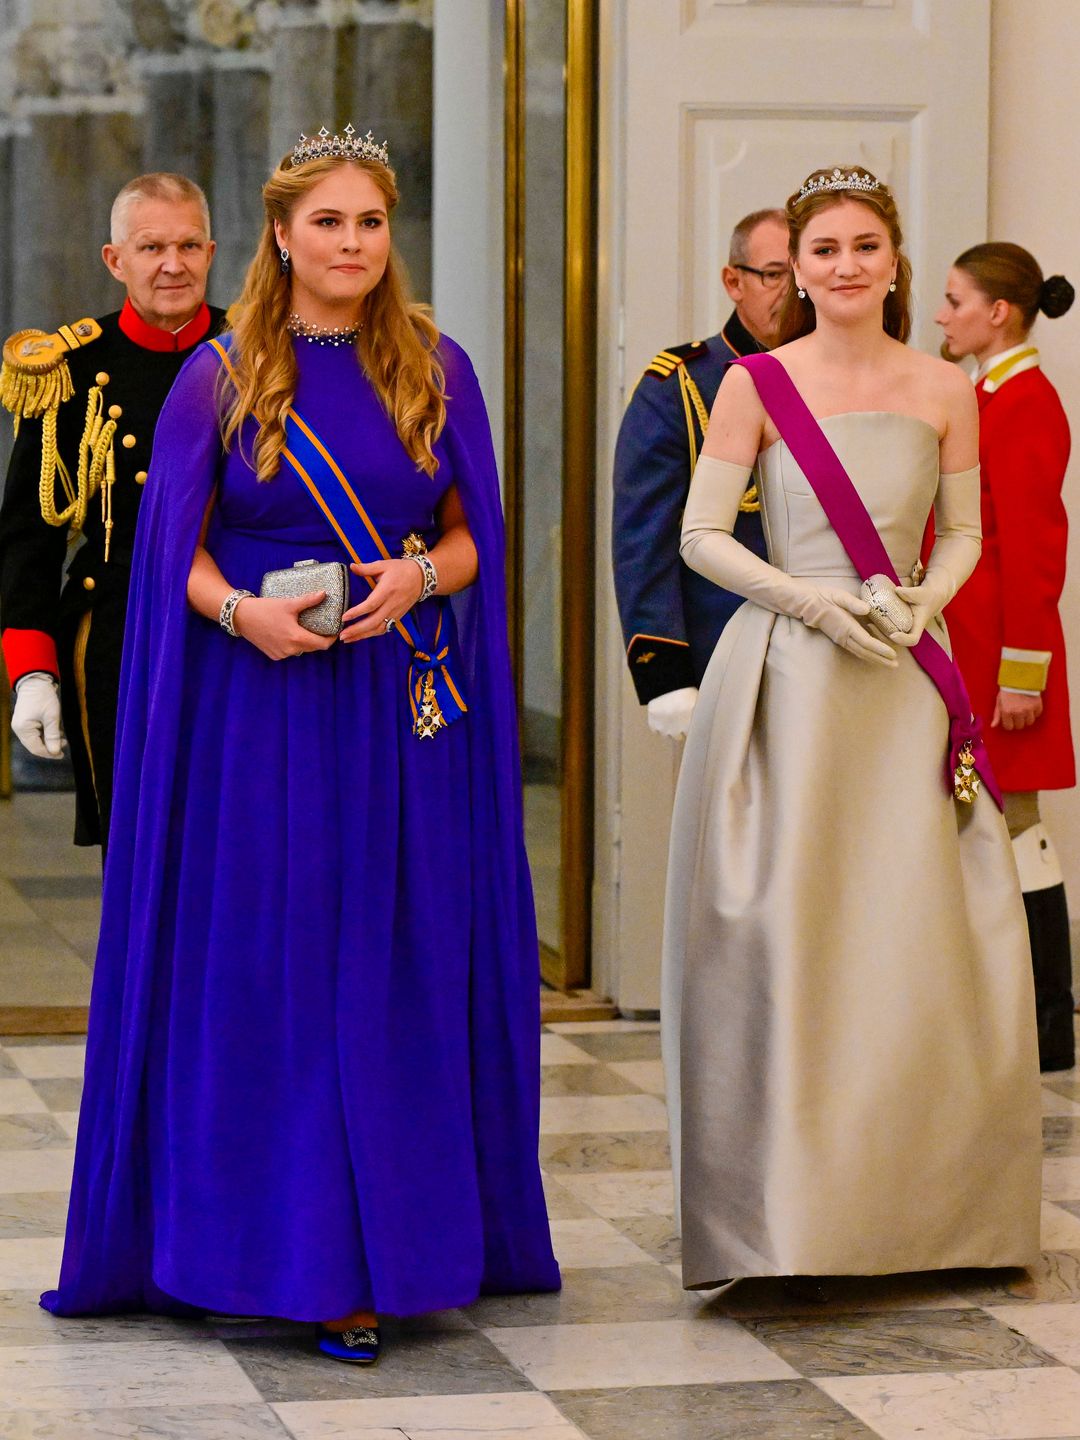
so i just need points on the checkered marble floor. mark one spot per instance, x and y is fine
(622, 1353)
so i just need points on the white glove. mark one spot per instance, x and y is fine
(957, 547)
(670, 714)
(709, 547)
(36, 717)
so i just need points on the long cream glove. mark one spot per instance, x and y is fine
(709, 547)
(957, 547)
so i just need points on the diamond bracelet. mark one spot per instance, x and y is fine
(430, 574)
(228, 610)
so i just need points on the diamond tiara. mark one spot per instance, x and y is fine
(346, 146)
(839, 180)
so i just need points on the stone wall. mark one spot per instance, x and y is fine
(95, 91)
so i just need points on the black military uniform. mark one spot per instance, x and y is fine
(671, 616)
(121, 370)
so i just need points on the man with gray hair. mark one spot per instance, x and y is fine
(86, 400)
(672, 617)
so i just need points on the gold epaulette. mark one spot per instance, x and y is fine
(34, 382)
(35, 375)
(668, 361)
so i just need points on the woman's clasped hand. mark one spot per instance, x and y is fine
(272, 624)
(398, 586)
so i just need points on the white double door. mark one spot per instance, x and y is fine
(716, 108)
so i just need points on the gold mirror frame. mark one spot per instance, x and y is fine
(570, 967)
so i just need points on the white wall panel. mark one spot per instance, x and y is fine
(734, 157)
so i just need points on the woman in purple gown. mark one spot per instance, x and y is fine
(313, 1062)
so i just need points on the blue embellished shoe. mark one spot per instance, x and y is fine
(359, 1346)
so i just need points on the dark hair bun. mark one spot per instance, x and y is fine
(1056, 296)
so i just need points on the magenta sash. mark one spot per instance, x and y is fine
(857, 533)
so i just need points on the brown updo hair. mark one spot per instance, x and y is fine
(1009, 272)
(798, 317)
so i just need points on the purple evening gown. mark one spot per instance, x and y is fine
(312, 1071)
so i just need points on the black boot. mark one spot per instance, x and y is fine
(1051, 957)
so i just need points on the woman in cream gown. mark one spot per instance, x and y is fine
(848, 1016)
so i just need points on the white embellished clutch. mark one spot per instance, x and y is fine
(888, 612)
(304, 577)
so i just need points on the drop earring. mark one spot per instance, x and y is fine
(284, 261)
(892, 288)
(801, 293)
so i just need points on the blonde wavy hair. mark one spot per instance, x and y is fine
(396, 347)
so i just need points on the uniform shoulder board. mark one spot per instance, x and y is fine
(668, 361)
(35, 376)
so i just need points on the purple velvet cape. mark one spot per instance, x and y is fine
(108, 1263)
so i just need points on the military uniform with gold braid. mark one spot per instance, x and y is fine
(671, 616)
(85, 402)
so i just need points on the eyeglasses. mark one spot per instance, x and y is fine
(771, 279)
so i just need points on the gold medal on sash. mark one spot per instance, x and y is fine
(966, 779)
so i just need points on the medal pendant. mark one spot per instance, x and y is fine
(966, 780)
(430, 720)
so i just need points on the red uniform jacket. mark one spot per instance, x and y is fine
(1004, 622)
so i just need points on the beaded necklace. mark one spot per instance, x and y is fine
(323, 334)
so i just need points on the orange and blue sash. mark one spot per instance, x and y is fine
(434, 695)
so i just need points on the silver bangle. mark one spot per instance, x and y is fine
(228, 610)
(430, 574)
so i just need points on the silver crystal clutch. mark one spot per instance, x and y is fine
(888, 611)
(304, 577)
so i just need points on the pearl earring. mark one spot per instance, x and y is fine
(892, 288)
(801, 294)
(284, 261)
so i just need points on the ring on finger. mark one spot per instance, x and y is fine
(389, 624)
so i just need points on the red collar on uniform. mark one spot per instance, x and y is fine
(150, 337)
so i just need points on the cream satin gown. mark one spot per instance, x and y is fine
(848, 1016)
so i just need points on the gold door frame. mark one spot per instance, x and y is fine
(514, 330)
(570, 967)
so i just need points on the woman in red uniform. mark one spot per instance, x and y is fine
(1004, 623)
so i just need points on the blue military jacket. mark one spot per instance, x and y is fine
(671, 616)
